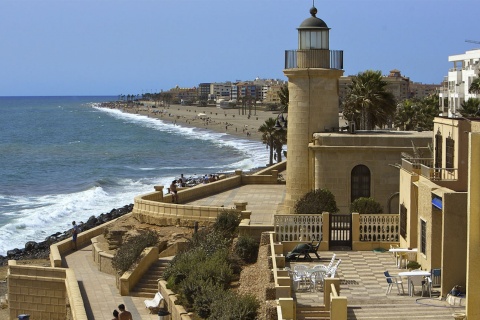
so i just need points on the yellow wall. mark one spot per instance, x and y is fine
(337, 154)
(473, 256)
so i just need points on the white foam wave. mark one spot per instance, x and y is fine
(46, 215)
(253, 151)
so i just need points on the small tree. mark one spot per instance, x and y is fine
(316, 202)
(366, 205)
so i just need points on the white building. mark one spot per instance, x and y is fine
(220, 90)
(466, 67)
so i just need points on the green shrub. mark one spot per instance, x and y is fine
(227, 222)
(413, 265)
(233, 307)
(210, 241)
(208, 294)
(316, 202)
(366, 205)
(128, 253)
(191, 274)
(247, 249)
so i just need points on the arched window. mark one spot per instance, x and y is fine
(360, 182)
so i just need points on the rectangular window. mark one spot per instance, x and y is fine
(423, 237)
(438, 150)
(403, 221)
(449, 153)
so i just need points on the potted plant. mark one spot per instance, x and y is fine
(413, 265)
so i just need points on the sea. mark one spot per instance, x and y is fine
(65, 158)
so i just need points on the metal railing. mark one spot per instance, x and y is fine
(439, 174)
(314, 58)
(411, 164)
(424, 167)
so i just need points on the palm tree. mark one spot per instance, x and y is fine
(279, 140)
(283, 94)
(368, 103)
(475, 86)
(471, 107)
(405, 116)
(272, 137)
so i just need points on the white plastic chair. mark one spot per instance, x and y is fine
(333, 270)
(427, 286)
(410, 256)
(316, 280)
(415, 281)
(299, 276)
(393, 280)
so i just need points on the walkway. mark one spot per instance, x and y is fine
(98, 289)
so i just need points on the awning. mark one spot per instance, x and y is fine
(437, 202)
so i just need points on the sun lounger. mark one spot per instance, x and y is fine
(154, 303)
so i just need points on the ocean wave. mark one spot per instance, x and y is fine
(46, 215)
(250, 149)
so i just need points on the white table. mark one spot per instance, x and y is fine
(400, 252)
(411, 274)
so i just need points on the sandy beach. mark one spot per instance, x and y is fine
(210, 117)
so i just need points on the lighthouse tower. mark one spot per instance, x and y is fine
(313, 72)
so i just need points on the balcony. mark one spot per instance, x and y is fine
(424, 167)
(314, 58)
(439, 174)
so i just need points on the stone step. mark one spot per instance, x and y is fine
(312, 313)
(148, 285)
(396, 312)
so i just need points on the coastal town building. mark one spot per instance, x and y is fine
(204, 90)
(454, 90)
(183, 94)
(220, 90)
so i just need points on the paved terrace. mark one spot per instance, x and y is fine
(361, 273)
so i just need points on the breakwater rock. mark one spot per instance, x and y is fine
(41, 250)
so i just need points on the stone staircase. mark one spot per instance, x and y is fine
(147, 287)
(312, 313)
(400, 309)
(392, 309)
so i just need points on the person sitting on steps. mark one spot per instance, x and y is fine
(173, 191)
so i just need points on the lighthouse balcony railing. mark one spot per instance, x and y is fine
(314, 58)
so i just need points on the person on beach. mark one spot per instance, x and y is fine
(115, 315)
(173, 191)
(183, 181)
(74, 235)
(124, 314)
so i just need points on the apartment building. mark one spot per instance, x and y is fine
(454, 90)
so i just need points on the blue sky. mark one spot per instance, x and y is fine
(111, 47)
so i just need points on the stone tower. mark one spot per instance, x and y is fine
(313, 72)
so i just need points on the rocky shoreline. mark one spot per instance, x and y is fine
(41, 250)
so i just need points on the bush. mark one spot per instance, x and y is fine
(316, 202)
(129, 252)
(247, 249)
(209, 240)
(227, 222)
(233, 307)
(366, 205)
(413, 265)
(208, 294)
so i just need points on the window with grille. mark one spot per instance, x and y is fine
(438, 150)
(423, 236)
(403, 221)
(450, 153)
(360, 182)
